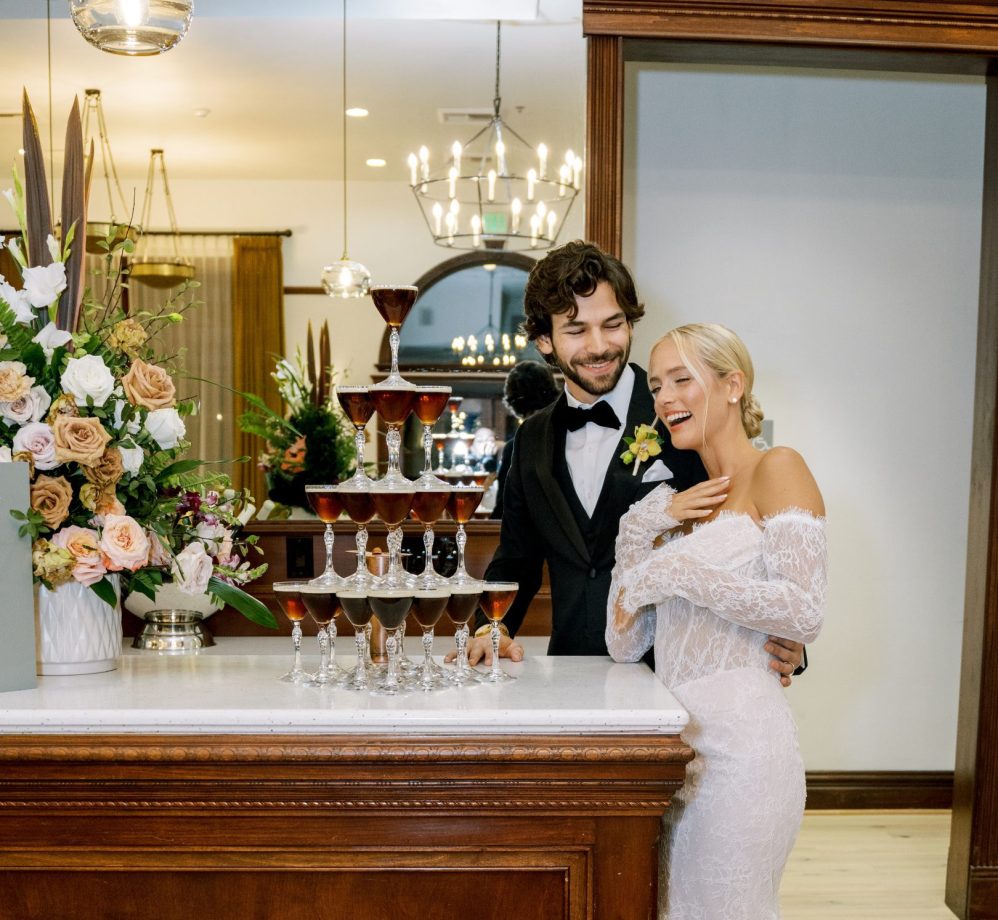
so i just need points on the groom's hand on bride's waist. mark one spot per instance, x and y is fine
(787, 657)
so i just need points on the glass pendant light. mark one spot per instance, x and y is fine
(345, 278)
(152, 270)
(132, 27)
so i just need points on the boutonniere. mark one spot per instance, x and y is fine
(642, 447)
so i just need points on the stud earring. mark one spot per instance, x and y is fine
(733, 400)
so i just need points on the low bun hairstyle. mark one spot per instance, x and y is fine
(718, 348)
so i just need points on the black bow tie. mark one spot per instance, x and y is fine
(600, 414)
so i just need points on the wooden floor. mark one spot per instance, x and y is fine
(868, 865)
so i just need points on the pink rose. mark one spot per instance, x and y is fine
(37, 439)
(192, 568)
(124, 543)
(159, 553)
(82, 542)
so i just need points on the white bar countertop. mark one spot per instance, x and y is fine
(233, 688)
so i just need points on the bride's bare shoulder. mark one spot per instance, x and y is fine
(782, 480)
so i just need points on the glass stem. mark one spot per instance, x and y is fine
(394, 555)
(462, 541)
(427, 657)
(328, 538)
(296, 669)
(362, 551)
(392, 680)
(494, 632)
(359, 440)
(360, 676)
(394, 441)
(461, 635)
(393, 341)
(323, 676)
(428, 448)
(368, 632)
(331, 630)
(428, 550)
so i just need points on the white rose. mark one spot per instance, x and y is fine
(5, 455)
(133, 426)
(29, 408)
(17, 301)
(131, 459)
(37, 438)
(212, 535)
(44, 283)
(192, 568)
(51, 338)
(87, 376)
(166, 427)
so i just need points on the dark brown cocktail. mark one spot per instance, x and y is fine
(393, 404)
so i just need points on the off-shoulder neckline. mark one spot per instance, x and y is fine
(791, 511)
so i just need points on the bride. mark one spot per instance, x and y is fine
(705, 575)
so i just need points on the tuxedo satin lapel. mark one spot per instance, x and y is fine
(553, 494)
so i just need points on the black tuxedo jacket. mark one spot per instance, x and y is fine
(543, 520)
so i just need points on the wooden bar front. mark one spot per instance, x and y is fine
(296, 827)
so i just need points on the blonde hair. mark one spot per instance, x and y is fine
(718, 348)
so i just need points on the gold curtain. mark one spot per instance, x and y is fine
(257, 336)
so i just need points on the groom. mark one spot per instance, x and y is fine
(567, 486)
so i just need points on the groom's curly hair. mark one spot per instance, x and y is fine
(567, 272)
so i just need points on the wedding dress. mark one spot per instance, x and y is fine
(707, 601)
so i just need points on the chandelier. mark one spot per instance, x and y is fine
(98, 232)
(345, 278)
(153, 270)
(132, 27)
(497, 191)
(488, 347)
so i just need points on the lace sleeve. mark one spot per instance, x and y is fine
(630, 633)
(788, 602)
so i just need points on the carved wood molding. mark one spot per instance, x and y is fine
(462, 804)
(346, 748)
(965, 27)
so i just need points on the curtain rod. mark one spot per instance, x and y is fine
(16, 232)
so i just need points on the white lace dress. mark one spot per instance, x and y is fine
(707, 601)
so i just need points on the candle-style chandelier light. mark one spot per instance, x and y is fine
(496, 191)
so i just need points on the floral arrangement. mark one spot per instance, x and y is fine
(312, 443)
(642, 447)
(86, 401)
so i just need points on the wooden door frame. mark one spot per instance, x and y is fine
(885, 35)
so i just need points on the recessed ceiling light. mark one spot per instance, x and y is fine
(375, 161)
(202, 113)
(357, 112)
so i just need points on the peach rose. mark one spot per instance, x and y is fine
(123, 543)
(108, 470)
(81, 439)
(14, 381)
(82, 542)
(50, 497)
(149, 386)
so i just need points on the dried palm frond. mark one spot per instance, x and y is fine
(325, 371)
(36, 195)
(74, 220)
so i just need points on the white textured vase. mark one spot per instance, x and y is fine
(76, 632)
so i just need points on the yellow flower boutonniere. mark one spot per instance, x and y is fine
(643, 446)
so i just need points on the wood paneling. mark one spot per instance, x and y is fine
(605, 142)
(881, 789)
(362, 826)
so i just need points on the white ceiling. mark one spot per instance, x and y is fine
(272, 83)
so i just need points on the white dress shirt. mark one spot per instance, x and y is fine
(591, 449)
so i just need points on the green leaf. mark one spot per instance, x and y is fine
(177, 469)
(146, 581)
(248, 606)
(105, 592)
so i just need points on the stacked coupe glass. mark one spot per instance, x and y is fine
(392, 597)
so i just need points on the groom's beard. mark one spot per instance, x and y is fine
(601, 385)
